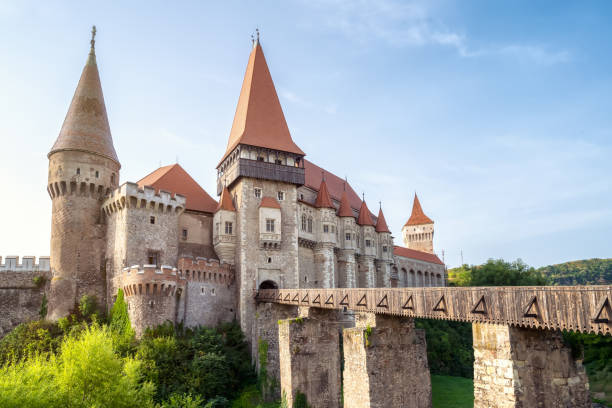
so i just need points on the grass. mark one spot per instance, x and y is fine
(452, 392)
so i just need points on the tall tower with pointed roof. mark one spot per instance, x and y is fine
(83, 168)
(418, 232)
(262, 168)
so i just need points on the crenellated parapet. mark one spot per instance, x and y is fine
(205, 270)
(150, 280)
(129, 195)
(27, 264)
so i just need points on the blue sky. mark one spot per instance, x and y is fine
(497, 114)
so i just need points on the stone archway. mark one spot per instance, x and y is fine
(268, 284)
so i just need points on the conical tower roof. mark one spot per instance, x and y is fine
(259, 119)
(86, 125)
(381, 223)
(418, 217)
(225, 202)
(345, 209)
(364, 215)
(323, 200)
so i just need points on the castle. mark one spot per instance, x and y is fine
(280, 221)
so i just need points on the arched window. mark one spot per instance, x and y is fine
(303, 222)
(412, 278)
(309, 224)
(268, 284)
(404, 278)
(420, 279)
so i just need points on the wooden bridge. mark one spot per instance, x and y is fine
(380, 358)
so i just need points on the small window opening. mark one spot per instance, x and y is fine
(260, 158)
(228, 227)
(348, 236)
(153, 257)
(257, 192)
(281, 196)
(326, 228)
(269, 225)
(185, 233)
(152, 219)
(279, 161)
(269, 260)
(97, 174)
(78, 170)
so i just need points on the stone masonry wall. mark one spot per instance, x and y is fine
(517, 367)
(20, 298)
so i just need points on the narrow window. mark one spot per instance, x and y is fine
(303, 222)
(228, 227)
(184, 233)
(347, 236)
(281, 196)
(384, 248)
(309, 224)
(368, 242)
(269, 225)
(153, 257)
(78, 171)
(257, 192)
(97, 174)
(326, 228)
(152, 219)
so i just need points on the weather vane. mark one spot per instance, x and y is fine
(93, 36)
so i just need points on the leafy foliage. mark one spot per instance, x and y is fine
(586, 272)
(496, 272)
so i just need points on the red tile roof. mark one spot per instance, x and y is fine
(364, 215)
(269, 202)
(259, 119)
(414, 254)
(323, 200)
(175, 179)
(225, 202)
(335, 185)
(86, 125)
(381, 223)
(418, 217)
(345, 209)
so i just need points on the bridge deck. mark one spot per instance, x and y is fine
(585, 309)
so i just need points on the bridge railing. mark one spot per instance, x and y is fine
(585, 309)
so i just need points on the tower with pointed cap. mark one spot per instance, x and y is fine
(418, 232)
(366, 248)
(384, 257)
(326, 238)
(83, 168)
(347, 227)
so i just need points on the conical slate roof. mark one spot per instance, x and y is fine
(259, 119)
(381, 223)
(225, 202)
(323, 200)
(364, 215)
(418, 217)
(86, 125)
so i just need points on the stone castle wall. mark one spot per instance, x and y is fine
(20, 297)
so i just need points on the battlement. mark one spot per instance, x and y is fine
(63, 188)
(151, 280)
(130, 195)
(28, 264)
(205, 270)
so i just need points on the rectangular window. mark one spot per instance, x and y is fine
(152, 219)
(368, 242)
(228, 227)
(257, 192)
(310, 225)
(384, 248)
(152, 257)
(348, 236)
(269, 225)
(303, 223)
(279, 161)
(281, 196)
(184, 233)
(325, 228)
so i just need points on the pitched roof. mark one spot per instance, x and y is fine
(364, 215)
(269, 202)
(345, 208)
(225, 202)
(418, 217)
(381, 223)
(175, 179)
(86, 125)
(336, 186)
(414, 254)
(323, 200)
(259, 119)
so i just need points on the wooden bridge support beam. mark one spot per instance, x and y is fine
(265, 345)
(385, 364)
(518, 367)
(310, 362)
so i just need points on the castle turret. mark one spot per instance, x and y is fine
(368, 248)
(326, 238)
(347, 244)
(384, 259)
(83, 168)
(224, 229)
(418, 232)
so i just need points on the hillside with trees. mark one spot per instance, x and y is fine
(586, 272)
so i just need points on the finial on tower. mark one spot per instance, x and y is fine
(255, 38)
(362, 196)
(93, 38)
(323, 175)
(380, 205)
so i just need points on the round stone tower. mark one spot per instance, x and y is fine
(83, 169)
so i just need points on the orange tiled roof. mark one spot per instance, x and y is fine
(345, 209)
(418, 217)
(364, 215)
(414, 254)
(381, 223)
(336, 186)
(323, 200)
(259, 118)
(86, 125)
(225, 202)
(269, 202)
(175, 179)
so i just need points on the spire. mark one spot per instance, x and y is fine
(381, 223)
(323, 200)
(364, 215)
(259, 119)
(345, 209)
(418, 217)
(225, 202)
(86, 125)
